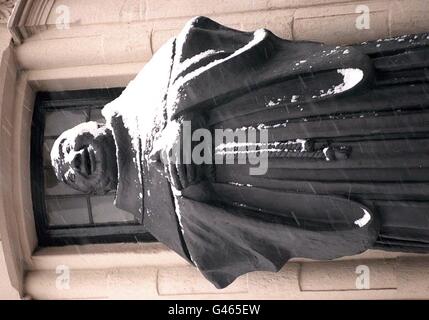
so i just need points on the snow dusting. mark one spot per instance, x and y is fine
(258, 36)
(351, 77)
(364, 220)
(255, 147)
(272, 103)
(141, 103)
(294, 98)
(240, 184)
(326, 153)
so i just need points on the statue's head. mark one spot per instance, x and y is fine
(84, 157)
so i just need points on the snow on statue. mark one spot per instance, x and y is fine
(339, 135)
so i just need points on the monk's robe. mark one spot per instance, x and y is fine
(348, 143)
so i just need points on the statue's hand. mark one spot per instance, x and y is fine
(167, 158)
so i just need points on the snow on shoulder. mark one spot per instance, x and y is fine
(144, 97)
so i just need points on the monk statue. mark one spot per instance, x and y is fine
(241, 150)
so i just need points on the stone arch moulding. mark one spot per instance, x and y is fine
(6, 7)
(28, 17)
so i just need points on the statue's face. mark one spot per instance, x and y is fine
(84, 157)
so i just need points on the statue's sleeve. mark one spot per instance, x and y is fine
(214, 64)
(228, 240)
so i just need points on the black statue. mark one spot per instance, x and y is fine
(347, 166)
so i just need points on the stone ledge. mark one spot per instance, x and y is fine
(136, 41)
(7, 292)
(410, 16)
(406, 278)
(120, 44)
(164, 9)
(84, 77)
(277, 21)
(342, 275)
(100, 256)
(337, 24)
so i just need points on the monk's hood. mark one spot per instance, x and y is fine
(135, 118)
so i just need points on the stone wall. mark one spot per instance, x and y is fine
(79, 33)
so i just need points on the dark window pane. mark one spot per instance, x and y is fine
(62, 213)
(58, 121)
(67, 211)
(54, 187)
(47, 146)
(104, 211)
(97, 116)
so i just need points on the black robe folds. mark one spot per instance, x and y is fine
(350, 167)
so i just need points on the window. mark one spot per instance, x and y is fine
(64, 215)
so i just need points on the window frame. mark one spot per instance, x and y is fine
(69, 235)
